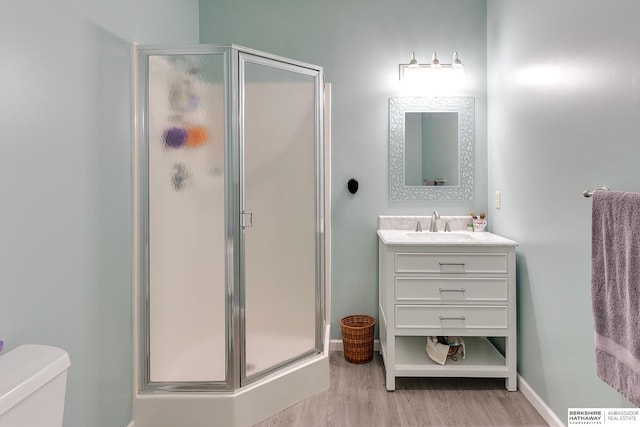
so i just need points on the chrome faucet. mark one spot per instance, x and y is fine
(418, 226)
(435, 215)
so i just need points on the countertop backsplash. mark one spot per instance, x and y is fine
(403, 222)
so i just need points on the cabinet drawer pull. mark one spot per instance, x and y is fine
(452, 290)
(451, 263)
(452, 318)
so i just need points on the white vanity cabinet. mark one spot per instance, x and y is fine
(447, 288)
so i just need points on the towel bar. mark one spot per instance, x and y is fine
(589, 193)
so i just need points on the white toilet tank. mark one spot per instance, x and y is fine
(33, 380)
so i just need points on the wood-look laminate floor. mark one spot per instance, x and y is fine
(358, 398)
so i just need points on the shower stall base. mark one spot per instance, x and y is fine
(242, 408)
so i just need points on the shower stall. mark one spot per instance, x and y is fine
(231, 267)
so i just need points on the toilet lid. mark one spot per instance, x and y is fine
(26, 369)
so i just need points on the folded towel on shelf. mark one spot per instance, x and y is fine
(438, 348)
(436, 351)
(615, 290)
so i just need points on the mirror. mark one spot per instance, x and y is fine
(431, 148)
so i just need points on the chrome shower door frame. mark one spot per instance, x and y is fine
(251, 56)
(235, 372)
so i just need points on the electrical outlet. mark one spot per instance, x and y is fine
(497, 200)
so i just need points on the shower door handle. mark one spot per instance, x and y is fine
(244, 221)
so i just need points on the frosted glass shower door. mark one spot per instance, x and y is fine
(186, 219)
(280, 199)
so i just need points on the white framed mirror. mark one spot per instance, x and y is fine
(431, 142)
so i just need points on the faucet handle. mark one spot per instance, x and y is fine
(418, 226)
(447, 227)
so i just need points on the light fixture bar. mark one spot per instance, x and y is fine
(415, 67)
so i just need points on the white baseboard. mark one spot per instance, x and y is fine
(549, 416)
(336, 345)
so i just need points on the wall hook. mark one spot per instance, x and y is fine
(352, 185)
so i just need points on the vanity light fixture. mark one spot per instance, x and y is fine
(414, 69)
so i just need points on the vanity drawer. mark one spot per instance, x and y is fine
(449, 263)
(437, 290)
(455, 317)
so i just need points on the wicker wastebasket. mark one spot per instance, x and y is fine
(357, 337)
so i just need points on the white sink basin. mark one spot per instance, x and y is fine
(439, 236)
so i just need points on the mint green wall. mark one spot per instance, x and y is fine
(556, 73)
(65, 173)
(564, 102)
(65, 159)
(360, 44)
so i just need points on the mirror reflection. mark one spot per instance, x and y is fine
(431, 148)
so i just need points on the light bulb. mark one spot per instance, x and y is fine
(413, 69)
(435, 63)
(413, 64)
(456, 64)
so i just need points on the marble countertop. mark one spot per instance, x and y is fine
(399, 230)
(443, 238)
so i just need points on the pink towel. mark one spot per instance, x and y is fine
(615, 290)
